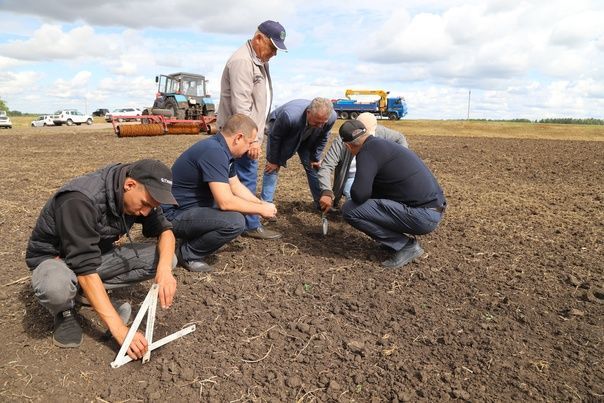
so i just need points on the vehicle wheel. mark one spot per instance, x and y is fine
(392, 116)
(89, 121)
(344, 115)
(69, 122)
(353, 115)
(143, 120)
(172, 105)
(44, 124)
(32, 125)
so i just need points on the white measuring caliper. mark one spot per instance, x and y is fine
(148, 308)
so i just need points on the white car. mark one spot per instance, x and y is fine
(5, 121)
(45, 120)
(125, 113)
(70, 117)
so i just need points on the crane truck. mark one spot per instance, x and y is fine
(392, 108)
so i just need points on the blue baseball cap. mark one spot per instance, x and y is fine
(275, 32)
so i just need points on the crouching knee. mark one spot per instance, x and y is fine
(237, 224)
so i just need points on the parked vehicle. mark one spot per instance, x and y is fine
(125, 114)
(183, 95)
(44, 120)
(182, 106)
(100, 112)
(5, 121)
(70, 117)
(393, 108)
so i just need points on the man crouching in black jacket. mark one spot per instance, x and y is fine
(73, 245)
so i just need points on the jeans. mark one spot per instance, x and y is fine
(388, 221)
(55, 284)
(269, 181)
(247, 172)
(203, 230)
(347, 186)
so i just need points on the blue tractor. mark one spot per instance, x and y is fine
(182, 96)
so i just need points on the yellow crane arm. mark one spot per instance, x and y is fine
(381, 93)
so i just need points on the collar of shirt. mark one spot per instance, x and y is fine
(253, 53)
(222, 141)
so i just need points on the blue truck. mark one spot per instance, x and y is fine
(392, 108)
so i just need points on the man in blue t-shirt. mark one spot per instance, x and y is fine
(211, 199)
(393, 195)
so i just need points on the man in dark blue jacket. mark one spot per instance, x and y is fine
(300, 126)
(394, 194)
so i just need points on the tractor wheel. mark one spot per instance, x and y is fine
(344, 115)
(392, 116)
(143, 120)
(173, 106)
(69, 122)
(353, 115)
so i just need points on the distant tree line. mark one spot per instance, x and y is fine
(561, 121)
(571, 121)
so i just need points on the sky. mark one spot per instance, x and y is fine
(486, 59)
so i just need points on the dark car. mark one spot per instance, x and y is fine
(100, 112)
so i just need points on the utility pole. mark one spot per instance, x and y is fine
(469, 96)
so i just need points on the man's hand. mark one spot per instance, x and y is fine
(315, 165)
(268, 210)
(270, 167)
(325, 202)
(167, 287)
(138, 346)
(254, 151)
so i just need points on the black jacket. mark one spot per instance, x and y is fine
(84, 218)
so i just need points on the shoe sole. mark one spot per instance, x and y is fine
(264, 238)
(416, 255)
(67, 345)
(199, 271)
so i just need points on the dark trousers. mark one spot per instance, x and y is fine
(203, 230)
(388, 221)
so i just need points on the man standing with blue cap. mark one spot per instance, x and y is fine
(246, 88)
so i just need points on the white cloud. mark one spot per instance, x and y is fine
(76, 87)
(8, 62)
(50, 42)
(230, 16)
(15, 84)
(521, 59)
(578, 30)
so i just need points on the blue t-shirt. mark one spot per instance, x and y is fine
(206, 161)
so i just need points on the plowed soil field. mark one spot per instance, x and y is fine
(506, 304)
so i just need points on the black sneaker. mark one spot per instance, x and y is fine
(67, 333)
(408, 253)
(262, 233)
(196, 266)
